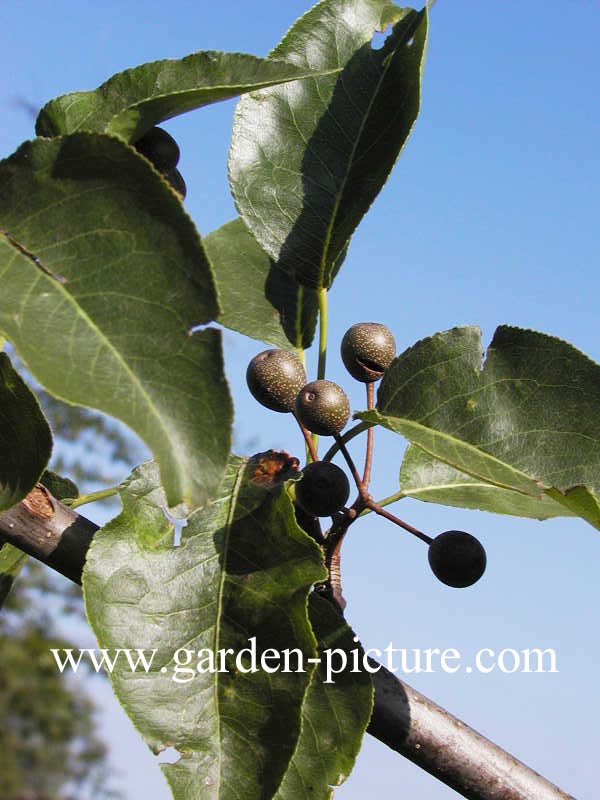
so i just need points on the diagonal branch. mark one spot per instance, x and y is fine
(405, 720)
(50, 531)
(451, 751)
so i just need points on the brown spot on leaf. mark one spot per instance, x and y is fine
(272, 467)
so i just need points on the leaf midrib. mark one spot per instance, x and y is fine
(223, 579)
(351, 161)
(481, 454)
(28, 256)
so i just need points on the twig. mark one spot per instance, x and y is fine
(442, 745)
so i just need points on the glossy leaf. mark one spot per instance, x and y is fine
(335, 714)
(131, 102)
(527, 420)
(243, 571)
(103, 277)
(426, 478)
(257, 297)
(25, 438)
(309, 157)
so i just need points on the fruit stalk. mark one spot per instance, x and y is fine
(369, 450)
(310, 442)
(383, 512)
(363, 495)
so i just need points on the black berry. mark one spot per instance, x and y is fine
(160, 148)
(323, 407)
(175, 178)
(457, 558)
(275, 377)
(323, 489)
(367, 350)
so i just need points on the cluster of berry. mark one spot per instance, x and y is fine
(277, 379)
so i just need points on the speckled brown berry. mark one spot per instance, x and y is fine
(457, 558)
(323, 407)
(323, 489)
(275, 377)
(367, 350)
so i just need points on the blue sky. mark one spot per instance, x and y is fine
(491, 216)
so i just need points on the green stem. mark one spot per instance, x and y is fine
(92, 497)
(2, 342)
(355, 431)
(323, 321)
(301, 353)
(392, 498)
(323, 324)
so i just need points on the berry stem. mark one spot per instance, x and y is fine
(341, 523)
(310, 444)
(374, 506)
(362, 492)
(350, 434)
(369, 451)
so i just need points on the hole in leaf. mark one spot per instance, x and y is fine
(410, 42)
(170, 755)
(178, 524)
(379, 38)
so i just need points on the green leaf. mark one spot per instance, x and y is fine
(580, 501)
(59, 487)
(131, 102)
(335, 714)
(11, 563)
(243, 571)
(103, 279)
(309, 157)
(425, 478)
(257, 297)
(25, 438)
(527, 420)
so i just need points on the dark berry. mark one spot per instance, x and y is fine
(457, 558)
(323, 489)
(275, 377)
(367, 350)
(323, 407)
(175, 178)
(160, 148)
